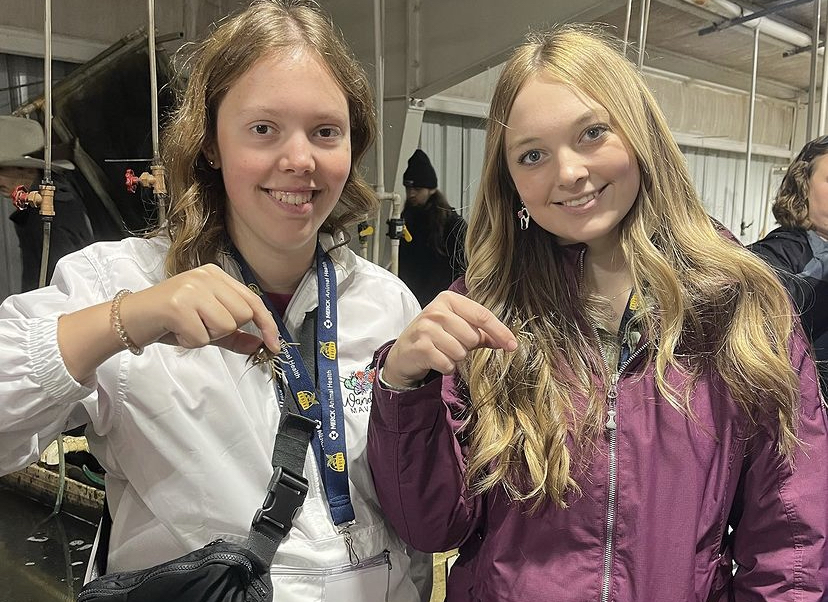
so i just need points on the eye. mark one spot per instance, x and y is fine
(594, 132)
(262, 129)
(530, 157)
(329, 132)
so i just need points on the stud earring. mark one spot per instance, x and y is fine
(523, 216)
(211, 162)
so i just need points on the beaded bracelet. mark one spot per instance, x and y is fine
(117, 325)
(393, 388)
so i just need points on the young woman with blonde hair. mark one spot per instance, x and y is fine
(628, 408)
(263, 163)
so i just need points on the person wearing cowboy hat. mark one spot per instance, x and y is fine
(21, 163)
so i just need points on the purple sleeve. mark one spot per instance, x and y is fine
(418, 464)
(780, 540)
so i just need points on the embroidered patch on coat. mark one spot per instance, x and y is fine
(359, 385)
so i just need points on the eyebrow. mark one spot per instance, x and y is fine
(324, 116)
(587, 117)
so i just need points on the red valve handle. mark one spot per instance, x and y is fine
(18, 197)
(132, 181)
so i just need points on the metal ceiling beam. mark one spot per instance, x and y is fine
(704, 71)
(770, 9)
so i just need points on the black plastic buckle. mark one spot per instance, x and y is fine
(285, 494)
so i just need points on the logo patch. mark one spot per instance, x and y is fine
(359, 385)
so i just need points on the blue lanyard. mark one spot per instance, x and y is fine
(325, 408)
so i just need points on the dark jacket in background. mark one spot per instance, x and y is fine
(425, 270)
(801, 260)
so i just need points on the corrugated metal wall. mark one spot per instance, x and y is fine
(455, 145)
(720, 179)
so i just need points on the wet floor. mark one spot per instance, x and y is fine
(41, 558)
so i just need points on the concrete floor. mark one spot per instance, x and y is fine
(42, 558)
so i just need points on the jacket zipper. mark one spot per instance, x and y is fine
(379, 560)
(611, 428)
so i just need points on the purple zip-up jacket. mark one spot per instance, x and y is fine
(657, 499)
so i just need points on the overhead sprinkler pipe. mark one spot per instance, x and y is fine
(751, 112)
(379, 67)
(809, 127)
(823, 96)
(642, 31)
(156, 178)
(47, 84)
(770, 28)
(627, 25)
(156, 157)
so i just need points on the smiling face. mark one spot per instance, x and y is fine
(575, 175)
(284, 151)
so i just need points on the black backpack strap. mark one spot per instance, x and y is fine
(288, 487)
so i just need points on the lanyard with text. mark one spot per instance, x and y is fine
(329, 444)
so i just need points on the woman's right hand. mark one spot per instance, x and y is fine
(199, 307)
(440, 337)
(196, 308)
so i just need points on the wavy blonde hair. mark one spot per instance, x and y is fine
(195, 221)
(711, 303)
(790, 208)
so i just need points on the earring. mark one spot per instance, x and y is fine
(523, 216)
(211, 162)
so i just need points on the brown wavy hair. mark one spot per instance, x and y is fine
(710, 304)
(195, 220)
(790, 208)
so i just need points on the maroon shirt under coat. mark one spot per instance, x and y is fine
(680, 483)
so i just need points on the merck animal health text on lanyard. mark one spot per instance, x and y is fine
(329, 445)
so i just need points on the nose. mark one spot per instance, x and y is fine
(297, 155)
(572, 168)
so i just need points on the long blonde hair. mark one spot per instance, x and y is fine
(711, 303)
(195, 221)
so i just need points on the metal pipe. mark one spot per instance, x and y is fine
(642, 31)
(751, 111)
(396, 211)
(770, 28)
(823, 100)
(379, 66)
(47, 86)
(46, 215)
(627, 26)
(156, 157)
(809, 127)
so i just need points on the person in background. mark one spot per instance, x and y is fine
(21, 140)
(798, 248)
(263, 160)
(628, 410)
(434, 256)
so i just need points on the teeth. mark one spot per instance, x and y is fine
(578, 202)
(291, 198)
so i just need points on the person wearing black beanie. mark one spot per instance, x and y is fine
(435, 257)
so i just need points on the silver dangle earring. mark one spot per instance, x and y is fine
(523, 216)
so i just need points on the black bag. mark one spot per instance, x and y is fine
(223, 571)
(218, 572)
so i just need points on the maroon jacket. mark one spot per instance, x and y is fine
(679, 484)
